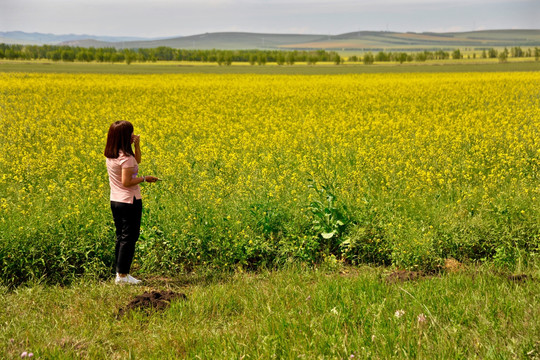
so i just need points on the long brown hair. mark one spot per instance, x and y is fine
(119, 138)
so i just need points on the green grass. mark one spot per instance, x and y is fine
(300, 69)
(289, 314)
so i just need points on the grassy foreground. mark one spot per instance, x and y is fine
(338, 313)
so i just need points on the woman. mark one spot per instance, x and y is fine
(126, 203)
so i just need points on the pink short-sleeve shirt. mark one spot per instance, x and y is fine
(119, 192)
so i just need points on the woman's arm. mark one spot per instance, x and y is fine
(128, 180)
(137, 145)
(127, 177)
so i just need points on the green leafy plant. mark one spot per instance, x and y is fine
(366, 244)
(268, 219)
(329, 218)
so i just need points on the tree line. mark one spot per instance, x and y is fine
(163, 53)
(227, 57)
(402, 57)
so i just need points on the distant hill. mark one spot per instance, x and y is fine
(224, 40)
(24, 38)
(361, 40)
(380, 40)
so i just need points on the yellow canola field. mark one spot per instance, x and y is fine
(414, 155)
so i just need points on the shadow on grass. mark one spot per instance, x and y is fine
(186, 280)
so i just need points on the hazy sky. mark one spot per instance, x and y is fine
(167, 18)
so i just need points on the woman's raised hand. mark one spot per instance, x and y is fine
(151, 179)
(135, 139)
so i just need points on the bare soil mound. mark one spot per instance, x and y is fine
(148, 301)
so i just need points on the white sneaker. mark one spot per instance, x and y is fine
(128, 279)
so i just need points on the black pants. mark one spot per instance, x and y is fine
(127, 220)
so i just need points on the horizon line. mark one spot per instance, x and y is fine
(267, 33)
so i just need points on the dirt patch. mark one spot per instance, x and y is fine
(150, 301)
(403, 275)
(451, 265)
